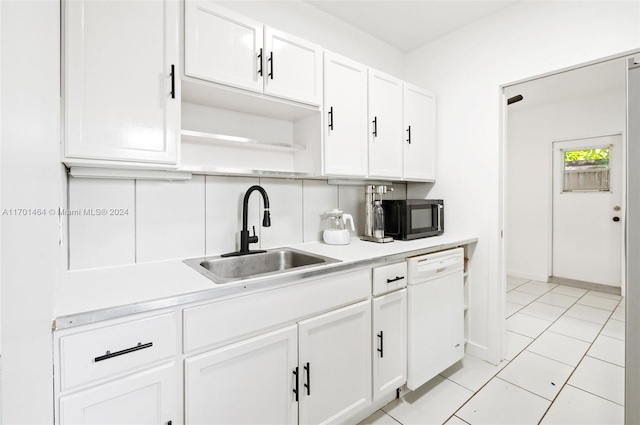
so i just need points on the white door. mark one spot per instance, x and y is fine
(385, 125)
(587, 211)
(146, 398)
(223, 46)
(250, 382)
(345, 123)
(419, 156)
(122, 88)
(389, 343)
(335, 364)
(293, 67)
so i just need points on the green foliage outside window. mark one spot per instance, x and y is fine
(598, 156)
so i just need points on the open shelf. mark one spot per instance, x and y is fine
(219, 96)
(198, 136)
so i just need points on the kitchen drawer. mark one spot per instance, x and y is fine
(389, 278)
(99, 353)
(223, 322)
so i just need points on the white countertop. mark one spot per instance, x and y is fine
(98, 294)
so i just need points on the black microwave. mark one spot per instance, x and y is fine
(413, 218)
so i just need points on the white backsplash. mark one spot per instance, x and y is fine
(101, 240)
(170, 219)
(199, 217)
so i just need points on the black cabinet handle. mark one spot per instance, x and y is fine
(396, 279)
(271, 65)
(375, 126)
(331, 118)
(295, 390)
(109, 354)
(260, 62)
(381, 349)
(173, 81)
(307, 367)
(409, 131)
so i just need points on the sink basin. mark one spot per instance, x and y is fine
(231, 269)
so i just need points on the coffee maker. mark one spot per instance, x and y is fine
(374, 215)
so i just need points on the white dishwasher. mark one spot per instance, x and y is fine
(436, 314)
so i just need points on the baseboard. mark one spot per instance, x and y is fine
(529, 276)
(480, 352)
(616, 290)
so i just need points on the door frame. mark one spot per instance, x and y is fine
(632, 388)
(623, 198)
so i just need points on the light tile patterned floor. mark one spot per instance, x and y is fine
(564, 365)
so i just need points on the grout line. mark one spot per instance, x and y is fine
(602, 360)
(596, 395)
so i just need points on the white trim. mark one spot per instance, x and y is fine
(115, 173)
(530, 276)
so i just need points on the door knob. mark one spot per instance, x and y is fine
(616, 219)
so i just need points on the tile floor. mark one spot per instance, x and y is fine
(564, 365)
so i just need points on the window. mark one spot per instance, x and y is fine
(586, 170)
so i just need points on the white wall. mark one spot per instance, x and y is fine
(466, 70)
(31, 178)
(303, 20)
(530, 133)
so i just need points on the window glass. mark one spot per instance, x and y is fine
(586, 170)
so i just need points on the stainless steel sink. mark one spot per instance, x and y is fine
(231, 269)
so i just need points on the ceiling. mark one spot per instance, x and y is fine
(407, 25)
(575, 84)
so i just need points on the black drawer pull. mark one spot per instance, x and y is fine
(173, 81)
(396, 279)
(308, 384)
(295, 390)
(109, 354)
(331, 118)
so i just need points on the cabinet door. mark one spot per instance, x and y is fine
(385, 125)
(345, 105)
(146, 398)
(293, 67)
(420, 134)
(250, 382)
(222, 46)
(119, 57)
(335, 364)
(390, 343)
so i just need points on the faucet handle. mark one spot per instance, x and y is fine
(254, 238)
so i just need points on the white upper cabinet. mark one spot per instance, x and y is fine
(385, 125)
(345, 123)
(121, 90)
(224, 47)
(293, 67)
(419, 134)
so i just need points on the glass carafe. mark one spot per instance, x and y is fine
(378, 220)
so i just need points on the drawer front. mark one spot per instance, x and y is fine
(389, 278)
(98, 353)
(223, 322)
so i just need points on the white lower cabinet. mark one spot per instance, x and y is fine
(145, 398)
(390, 343)
(250, 382)
(315, 372)
(335, 365)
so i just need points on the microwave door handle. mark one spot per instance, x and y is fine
(440, 208)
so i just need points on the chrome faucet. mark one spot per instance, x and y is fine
(245, 239)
